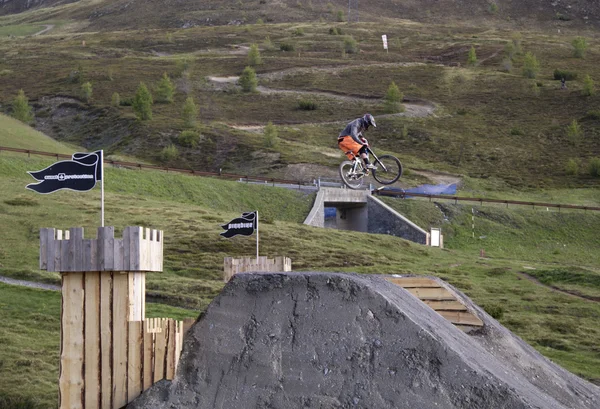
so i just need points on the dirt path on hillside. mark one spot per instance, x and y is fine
(47, 28)
(439, 178)
(30, 284)
(556, 289)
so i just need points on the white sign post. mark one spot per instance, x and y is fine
(385, 45)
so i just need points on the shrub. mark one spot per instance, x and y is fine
(76, 75)
(254, 56)
(127, 102)
(393, 98)
(574, 132)
(189, 138)
(567, 75)
(307, 105)
(115, 100)
(572, 167)
(248, 80)
(271, 135)
(589, 88)
(472, 57)
(493, 8)
(169, 153)
(190, 112)
(531, 66)
(562, 17)
(593, 114)
(579, 47)
(21, 109)
(268, 44)
(182, 65)
(260, 21)
(516, 131)
(494, 310)
(350, 45)
(336, 31)
(510, 50)
(286, 47)
(506, 65)
(299, 32)
(165, 89)
(86, 91)
(142, 102)
(340, 16)
(594, 167)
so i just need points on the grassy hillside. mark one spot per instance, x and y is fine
(15, 134)
(485, 120)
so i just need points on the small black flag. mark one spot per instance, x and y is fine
(244, 225)
(80, 174)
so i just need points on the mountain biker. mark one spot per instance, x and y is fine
(352, 142)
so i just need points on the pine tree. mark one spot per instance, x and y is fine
(271, 135)
(472, 58)
(579, 47)
(254, 58)
(142, 102)
(190, 112)
(393, 98)
(531, 66)
(21, 109)
(86, 91)
(589, 88)
(165, 89)
(248, 80)
(116, 99)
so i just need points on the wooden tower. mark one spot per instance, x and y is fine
(109, 352)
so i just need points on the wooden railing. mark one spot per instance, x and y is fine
(233, 266)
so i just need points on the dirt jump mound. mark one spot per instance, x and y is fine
(326, 340)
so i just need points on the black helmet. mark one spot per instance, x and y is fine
(369, 120)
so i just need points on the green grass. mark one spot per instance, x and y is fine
(20, 30)
(15, 134)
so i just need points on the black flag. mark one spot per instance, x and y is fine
(244, 225)
(81, 174)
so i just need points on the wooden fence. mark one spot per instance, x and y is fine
(233, 266)
(110, 353)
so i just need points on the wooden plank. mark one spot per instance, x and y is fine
(120, 313)
(143, 296)
(109, 249)
(43, 248)
(148, 366)
(57, 250)
(178, 342)
(134, 361)
(106, 325)
(118, 255)
(71, 383)
(159, 354)
(51, 249)
(461, 318)
(171, 347)
(92, 340)
(135, 248)
(439, 294)
(126, 248)
(446, 305)
(409, 282)
(76, 247)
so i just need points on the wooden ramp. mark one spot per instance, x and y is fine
(434, 294)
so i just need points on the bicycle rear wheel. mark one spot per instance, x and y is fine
(352, 179)
(389, 172)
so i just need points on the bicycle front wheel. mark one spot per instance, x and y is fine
(389, 170)
(352, 179)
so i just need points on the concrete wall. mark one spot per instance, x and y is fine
(385, 220)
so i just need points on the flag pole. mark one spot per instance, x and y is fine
(102, 188)
(257, 237)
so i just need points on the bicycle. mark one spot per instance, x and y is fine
(388, 170)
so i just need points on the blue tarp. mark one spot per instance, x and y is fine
(434, 189)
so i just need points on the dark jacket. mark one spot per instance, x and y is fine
(355, 130)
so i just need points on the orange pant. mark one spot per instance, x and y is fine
(349, 146)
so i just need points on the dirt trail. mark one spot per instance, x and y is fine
(556, 289)
(30, 284)
(45, 30)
